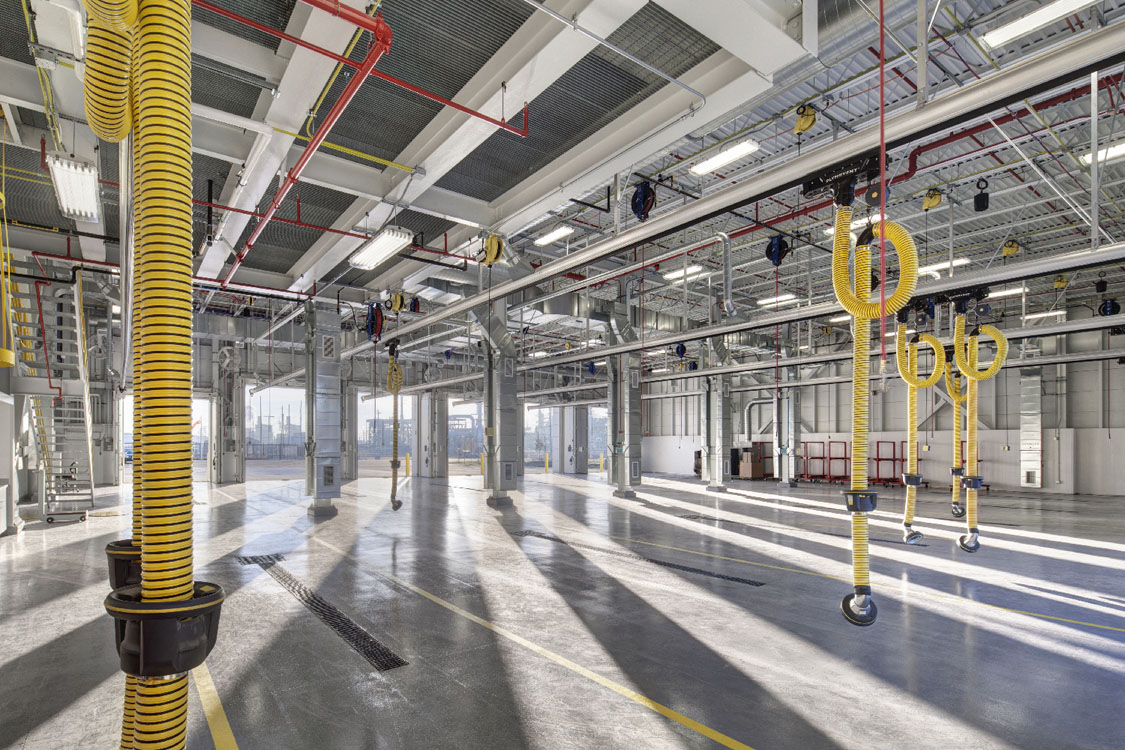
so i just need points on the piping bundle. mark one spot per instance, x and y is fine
(966, 354)
(906, 356)
(957, 395)
(858, 607)
(166, 624)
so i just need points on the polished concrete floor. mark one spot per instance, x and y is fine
(573, 619)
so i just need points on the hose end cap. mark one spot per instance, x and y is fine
(861, 502)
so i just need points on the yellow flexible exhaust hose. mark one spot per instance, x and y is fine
(906, 357)
(118, 14)
(957, 396)
(861, 389)
(163, 193)
(105, 87)
(959, 350)
(971, 441)
(854, 301)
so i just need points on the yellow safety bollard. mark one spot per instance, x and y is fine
(482, 464)
(408, 464)
(546, 463)
(601, 462)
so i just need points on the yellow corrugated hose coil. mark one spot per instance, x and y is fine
(859, 607)
(118, 14)
(906, 357)
(105, 86)
(965, 354)
(958, 395)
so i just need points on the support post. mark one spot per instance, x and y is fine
(322, 395)
(432, 436)
(576, 429)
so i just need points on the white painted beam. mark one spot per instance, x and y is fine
(238, 53)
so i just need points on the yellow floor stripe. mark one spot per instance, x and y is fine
(961, 600)
(213, 709)
(605, 682)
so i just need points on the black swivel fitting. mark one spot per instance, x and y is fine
(843, 192)
(164, 638)
(124, 563)
(861, 502)
(971, 483)
(957, 471)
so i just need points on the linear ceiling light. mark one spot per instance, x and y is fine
(1009, 292)
(539, 354)
(691, 271)
(944, 265)
(556, 234)
(725, 157)
(384, 245)
(778, 299)
(76, 187)
(1108, 153)
(1049, 313)
(1033, 21)
(890, 334)
(840, 319)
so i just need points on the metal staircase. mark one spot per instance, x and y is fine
(50, 337)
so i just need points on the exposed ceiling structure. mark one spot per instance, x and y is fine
(670, 87)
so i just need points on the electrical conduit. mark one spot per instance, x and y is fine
(965, 354)
(908, 371)
(859, 607)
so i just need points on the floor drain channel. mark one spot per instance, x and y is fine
(631, 556)
(362, 642)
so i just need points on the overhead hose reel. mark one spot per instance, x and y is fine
(776, 249)
(965, 354)
(375, 321)
(906, 357)
(397, 302)
(644, 198)
(806, 118)
(858, 607)
(493, 249)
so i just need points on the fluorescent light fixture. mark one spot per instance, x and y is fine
(873, 219)
(679, 273)
(556, 234)
(840, 319)
(1033, 21)
(600, 363)
(944, 265)
(778, 299)
(538, 354)
(76, 188)
(380, 247)
(890, 334)
(115, 310)
(1109, 153)
(1048, 314)
(659, 370)
(1009, 292)
(726, 156)
(803, 348)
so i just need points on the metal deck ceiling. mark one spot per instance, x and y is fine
(225, 90)
(438, 45)
(274, 13)
(13, 42)
(282, 245)
(599, 89)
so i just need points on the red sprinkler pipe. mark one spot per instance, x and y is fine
(331, 6)
(383, 39)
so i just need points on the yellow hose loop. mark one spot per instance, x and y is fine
(853, 301)
(953, 385)
(908, 367)
(960, 350)
(912, 441)
(117, 14)
(105, 88)
(861, 561)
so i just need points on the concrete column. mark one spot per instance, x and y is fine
(227, 459)
(786, 435)
(323, 406)
(576, 442)
(628, 465)
(502, 430)
(718, 438)
(615, 435)
(431, 438)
